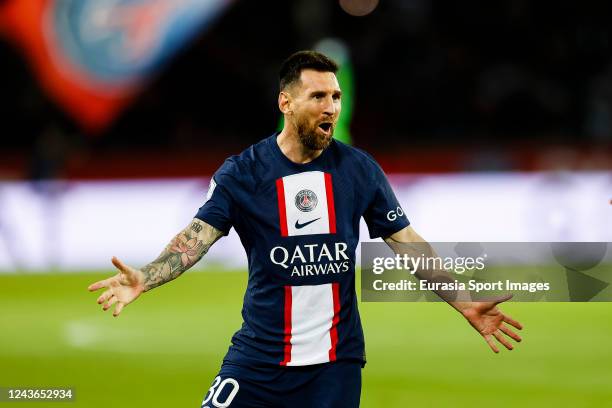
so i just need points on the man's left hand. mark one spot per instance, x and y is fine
(490, 322)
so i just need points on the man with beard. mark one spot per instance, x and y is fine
(295, 199)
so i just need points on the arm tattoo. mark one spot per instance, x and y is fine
(184, 251)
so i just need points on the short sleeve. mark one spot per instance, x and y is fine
(218, 207)
(384, 215)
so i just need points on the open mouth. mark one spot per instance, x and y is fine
(325, 126)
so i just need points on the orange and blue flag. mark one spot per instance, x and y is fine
(93, 56)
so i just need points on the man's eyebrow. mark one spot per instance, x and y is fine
(322, 93)
(317, 93)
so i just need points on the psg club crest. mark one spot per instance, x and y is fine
(306, 200)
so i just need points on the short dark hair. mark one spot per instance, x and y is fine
(293, 66)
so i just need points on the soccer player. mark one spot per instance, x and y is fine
(295, 199)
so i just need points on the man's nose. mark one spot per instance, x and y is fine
(330, 107)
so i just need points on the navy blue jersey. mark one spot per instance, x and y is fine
(299, 225)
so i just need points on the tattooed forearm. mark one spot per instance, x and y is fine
(184, 251)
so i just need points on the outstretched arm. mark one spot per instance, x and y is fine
(184, 251)
(485, 317)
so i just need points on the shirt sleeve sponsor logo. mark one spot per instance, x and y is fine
(395, 214)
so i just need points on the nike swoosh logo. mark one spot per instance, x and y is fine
(298, 225)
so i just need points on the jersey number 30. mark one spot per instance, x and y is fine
(214, 393)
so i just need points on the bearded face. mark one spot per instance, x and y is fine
(315, 135)
(315, 108)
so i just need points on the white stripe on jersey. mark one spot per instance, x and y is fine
(312, 314)
(315, 220)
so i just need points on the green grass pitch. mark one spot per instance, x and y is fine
(165, 349)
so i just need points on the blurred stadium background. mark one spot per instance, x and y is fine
(493, 120)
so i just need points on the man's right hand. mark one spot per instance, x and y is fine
(184, 251)
(122, 288)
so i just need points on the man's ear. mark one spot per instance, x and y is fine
(284, 103)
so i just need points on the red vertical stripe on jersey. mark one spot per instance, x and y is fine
(282, 211)
(333, 333)
(329, 192)
(287, 338)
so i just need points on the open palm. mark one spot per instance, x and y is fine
(489, 321)
(122, 289)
